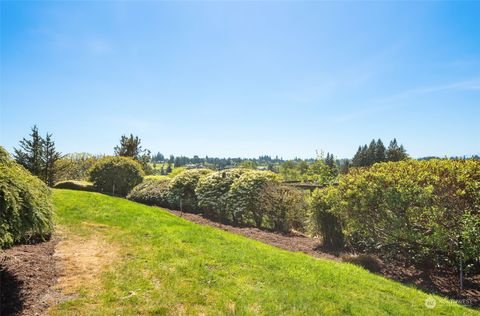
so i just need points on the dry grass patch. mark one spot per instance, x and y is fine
(81, 260)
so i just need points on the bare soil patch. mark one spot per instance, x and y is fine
(438, 281)
(80, 262)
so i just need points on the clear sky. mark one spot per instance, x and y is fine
(243, 78)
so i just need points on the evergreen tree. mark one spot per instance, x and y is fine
(30, 153)
(395, 152)
(370, 158)
(129, 147)
(357, 159)
(49, 157)
(380, 151)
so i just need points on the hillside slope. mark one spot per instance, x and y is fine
(166, 265)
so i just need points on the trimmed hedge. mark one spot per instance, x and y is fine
(25, 204)
(75, 185)
(244, 197)
(182, 189)
(426, 211)
(151, 192)
(116, 175)
(213, 193)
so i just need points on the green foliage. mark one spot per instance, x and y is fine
(326, 222)
(152, 191)
(319, 172)
(212, 193)
(169, 265)
(245, 197)
(182, 189)
(116, 175)
(428, 211)
(75, 185)
(130, 147)
(25, 204)
(39, 156)
(74, 166)
(284, 207)
(376, 152)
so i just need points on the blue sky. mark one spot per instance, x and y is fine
(243, 78)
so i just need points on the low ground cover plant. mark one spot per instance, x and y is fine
(25, 204)
(116, 175)
(75, 185)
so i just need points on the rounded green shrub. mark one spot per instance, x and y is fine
(245, 197)
(75, 185)
(182, 189)
(151, 192)
(212, 193)
(25, 204)
(116, 175)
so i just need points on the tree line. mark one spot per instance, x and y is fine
(376, 152)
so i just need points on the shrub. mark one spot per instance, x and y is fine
(182, 189)
(151, 192)
(116, 175)
(284, 207)
(245, 198)
(327, 223)
(74, 167)
(369, 262)
(75, 185)
(25, 204)
(212, 193)
(428, 211)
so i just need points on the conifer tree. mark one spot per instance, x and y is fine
(370, 153)
(380, 151)
(29, 155)
(49, 157)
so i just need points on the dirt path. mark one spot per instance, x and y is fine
(37, 277)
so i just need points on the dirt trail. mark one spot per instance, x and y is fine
(39, 276)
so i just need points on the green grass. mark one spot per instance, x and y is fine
(173, 265)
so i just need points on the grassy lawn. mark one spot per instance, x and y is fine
(167, 265)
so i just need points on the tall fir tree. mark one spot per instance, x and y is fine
(357, 159)
(380, 151)
(49, 157)
(30, 153)
(370, 158)
(395, 152)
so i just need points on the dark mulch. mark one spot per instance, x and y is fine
(27, 274)
(442, 282)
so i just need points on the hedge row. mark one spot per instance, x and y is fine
(426, 211)
(234, 196)
(25, 204)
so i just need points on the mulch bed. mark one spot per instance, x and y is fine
(27, 276)
(441, 282)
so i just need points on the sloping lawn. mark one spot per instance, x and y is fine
(167, 265)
